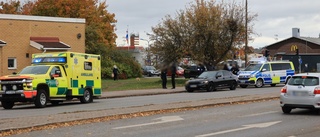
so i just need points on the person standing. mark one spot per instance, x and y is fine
(164, 78)
(115, 72)
(173, 75)
(235, 69)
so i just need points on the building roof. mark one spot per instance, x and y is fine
(307, 39)
(131, 48)
(2, 43)
(41, 18)
(48, 43)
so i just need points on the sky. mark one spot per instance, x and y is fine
(274, 22)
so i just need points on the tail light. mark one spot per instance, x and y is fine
(284, 89)
(316, 90)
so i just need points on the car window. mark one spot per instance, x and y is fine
(226, 73)
(304, 80)
(280, 66)
(208, 74)
(266, 66)
(253, 67)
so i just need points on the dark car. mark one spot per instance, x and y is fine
(193, 71)
(150, 71)
(212, 80)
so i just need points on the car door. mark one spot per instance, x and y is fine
(227, 78)
(219, 79)
(58, 82)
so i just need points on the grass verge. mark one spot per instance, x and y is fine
(136, 84)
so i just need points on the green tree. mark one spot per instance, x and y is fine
(206, 31)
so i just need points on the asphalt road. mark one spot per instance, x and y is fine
(263, 119)
(102, 104)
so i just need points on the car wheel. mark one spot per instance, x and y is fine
(210, 87)
(7, 104)
(41, 99)
(259, 83)
(233, 85)
(272, 85)
(87, 97)
(286, 110)
(243, 86)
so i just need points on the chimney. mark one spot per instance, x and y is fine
(295, 32)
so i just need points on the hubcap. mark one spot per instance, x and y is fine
(43, 99)
(87, 95)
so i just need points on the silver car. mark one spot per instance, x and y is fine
(301, 91)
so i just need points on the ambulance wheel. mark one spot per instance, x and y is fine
(7, 104)
(243, 86)
(41, 99)
(87, 97)
(259, 83)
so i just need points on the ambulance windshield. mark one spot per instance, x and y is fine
(253, 67)
(35, 70)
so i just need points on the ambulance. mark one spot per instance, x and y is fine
(261, 72)
(53, 77)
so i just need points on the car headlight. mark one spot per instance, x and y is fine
(205, 82)
(252, 76)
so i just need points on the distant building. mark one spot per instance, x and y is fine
(21, 36)
(295, 47)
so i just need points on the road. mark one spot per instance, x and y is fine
(30, 110)
(263, 119)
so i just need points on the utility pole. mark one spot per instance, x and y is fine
(246, 42)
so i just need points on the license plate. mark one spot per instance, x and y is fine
(242, 81)
(10, 92)
(193, 86)
(296, 93)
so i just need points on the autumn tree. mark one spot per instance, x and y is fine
(10, 7)
(206, 31)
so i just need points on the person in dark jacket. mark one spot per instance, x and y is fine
(115, 72)
(164, 77)
(226, 67)
(235, 69)
(173, 75)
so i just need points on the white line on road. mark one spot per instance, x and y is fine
(259, 114)
(259, 125)
(162, 120)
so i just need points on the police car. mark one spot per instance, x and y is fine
(261, 72)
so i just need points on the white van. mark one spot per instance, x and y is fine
(260, 73)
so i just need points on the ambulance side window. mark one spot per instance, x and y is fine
(56, 72)
(266, 67)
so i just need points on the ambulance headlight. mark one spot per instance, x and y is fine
(252, 76)
(4, 88)
(14, 87)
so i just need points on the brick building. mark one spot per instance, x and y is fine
(308, 49)
(21, 36)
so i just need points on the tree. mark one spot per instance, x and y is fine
(207, 31)
(11, 7)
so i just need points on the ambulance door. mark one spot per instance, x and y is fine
(58, 82)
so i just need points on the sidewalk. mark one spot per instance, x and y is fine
(144, 92)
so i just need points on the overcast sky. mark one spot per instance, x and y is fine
(275, 20)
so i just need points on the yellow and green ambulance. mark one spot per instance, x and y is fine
(53, 77)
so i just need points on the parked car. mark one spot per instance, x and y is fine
(150, 71)
(212, 80)
(301, 91)
(193, 71)
(179, 72)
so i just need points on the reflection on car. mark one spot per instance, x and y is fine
(301, 91)
(212, 80)
(150, 71)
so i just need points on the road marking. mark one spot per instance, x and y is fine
(258, 125)
(258, 114)
(162, 120)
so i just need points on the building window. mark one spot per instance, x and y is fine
(12, 63)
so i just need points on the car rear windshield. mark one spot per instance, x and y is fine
(304, 80)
